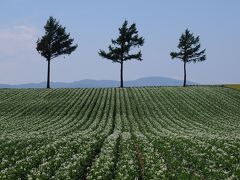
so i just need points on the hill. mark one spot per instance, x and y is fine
(129, 133)
(89, 83)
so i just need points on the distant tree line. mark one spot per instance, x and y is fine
(56, 41)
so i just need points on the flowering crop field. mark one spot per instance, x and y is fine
(113, 133)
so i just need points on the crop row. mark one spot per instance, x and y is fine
(127, 133)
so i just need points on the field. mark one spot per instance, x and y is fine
(233, 86)
(129, 133)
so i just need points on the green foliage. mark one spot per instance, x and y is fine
(189, 47)
(56, 41)
(120, 50)
(129, 133)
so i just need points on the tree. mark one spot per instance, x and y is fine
(189, 51)
(120, 50)
(54, 43)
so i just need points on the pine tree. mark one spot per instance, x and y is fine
(54, 43)
(189, 51)
(119, 52)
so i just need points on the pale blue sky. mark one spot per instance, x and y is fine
(92, 23)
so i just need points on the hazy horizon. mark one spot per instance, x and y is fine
(117, 80)
(94, 23)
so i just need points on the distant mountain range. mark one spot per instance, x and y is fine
(89, 83)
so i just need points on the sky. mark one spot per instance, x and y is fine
(93, 23)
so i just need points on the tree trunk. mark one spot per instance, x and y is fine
(48, 74)
(121, 74)
(185, 75)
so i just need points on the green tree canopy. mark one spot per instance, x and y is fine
(54, 43)
(189, 47)
(120, 50)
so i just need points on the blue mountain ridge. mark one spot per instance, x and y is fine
(89, 83)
